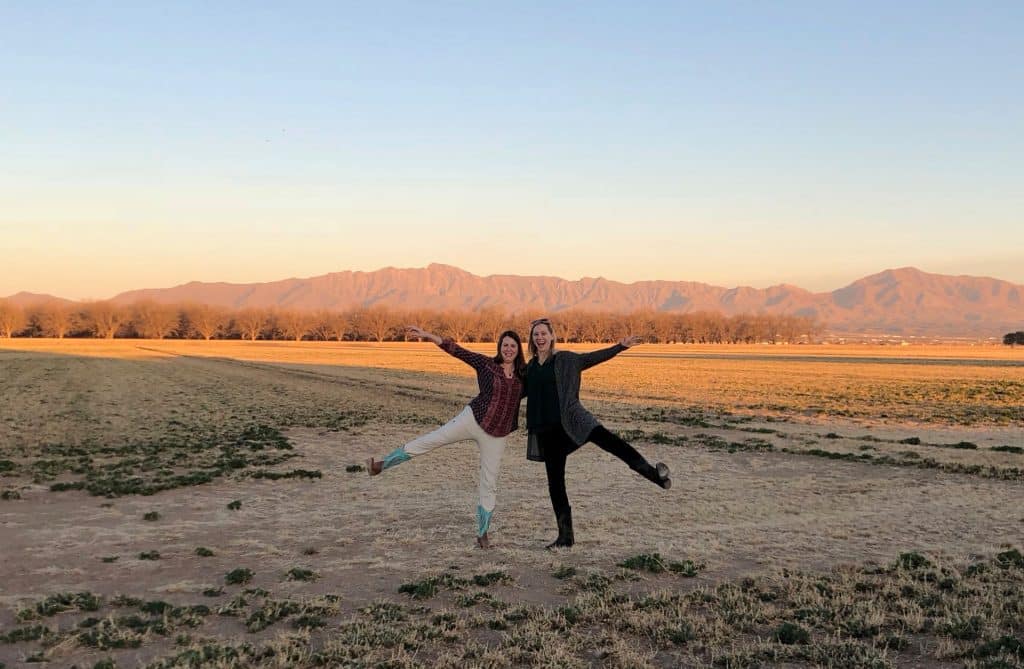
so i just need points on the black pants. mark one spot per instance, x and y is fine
(556, 446)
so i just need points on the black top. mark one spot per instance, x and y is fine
(542, 409)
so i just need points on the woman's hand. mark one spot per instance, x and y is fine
(631, 340)
(422, 334)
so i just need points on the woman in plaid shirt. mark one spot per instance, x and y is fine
(487, 420)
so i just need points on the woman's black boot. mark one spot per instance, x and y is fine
(657, 474)
(565, 536)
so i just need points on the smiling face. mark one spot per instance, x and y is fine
(510, 350)
(542, 337)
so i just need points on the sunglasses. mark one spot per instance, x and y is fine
(539, 321)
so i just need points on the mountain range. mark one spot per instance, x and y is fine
(905, 301)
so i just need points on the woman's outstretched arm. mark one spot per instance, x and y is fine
(423, 334)
(474, 360)
(592, 358)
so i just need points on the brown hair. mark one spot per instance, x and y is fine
(519, 365)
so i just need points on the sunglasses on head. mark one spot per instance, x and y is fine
(539, 321)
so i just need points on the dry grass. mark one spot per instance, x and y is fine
(953, 385)
(777, 531)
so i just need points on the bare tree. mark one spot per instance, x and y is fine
(340, 324)
(520, 322)
(457, 324)
(249, 323)
(52, 319)
(663, 327)
(428, 319)
(616, 327)
(708, 327)
(152, 320)
(205, 320)
(327, 325)
(406, 317)
(804, 326)
(293, 324)
(682, 326)
(766, 327)
(357, 318)
(377, 323)
(318, 324)
(639, 323)
(478, 331)
(598, 326)
(103, 319)
(740, 329)
(492, 322)
(572, 324)
(12, 318)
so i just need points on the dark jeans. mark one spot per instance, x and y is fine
(557, 446)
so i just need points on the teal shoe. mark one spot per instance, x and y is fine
(483, 518)
(395, 457)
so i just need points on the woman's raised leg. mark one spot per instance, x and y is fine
(612, 443)
(457, 429)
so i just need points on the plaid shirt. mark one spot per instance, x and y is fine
(496, 408)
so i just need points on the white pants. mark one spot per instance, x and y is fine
(461, 428)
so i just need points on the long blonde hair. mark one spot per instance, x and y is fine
(551, 329)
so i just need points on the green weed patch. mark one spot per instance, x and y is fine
(1008, 449)
(238, 576)
(294, 474)
(300, 574)
(61, 602)
(915, 610)
(656, 564)
(31, 633)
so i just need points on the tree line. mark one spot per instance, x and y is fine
(152, 320)
(1014, 338)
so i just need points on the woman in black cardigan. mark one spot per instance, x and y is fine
(558, 424)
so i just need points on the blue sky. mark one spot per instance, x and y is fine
(730, 143)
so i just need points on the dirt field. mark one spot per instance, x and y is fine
(831, 506)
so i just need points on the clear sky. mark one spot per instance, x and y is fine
(734, 143)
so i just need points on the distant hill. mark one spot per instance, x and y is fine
(903, 301)
(24, 299)
(909, 301)
(898, 301)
